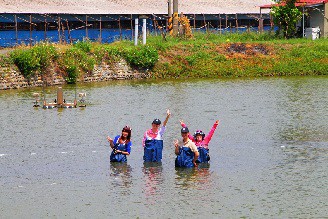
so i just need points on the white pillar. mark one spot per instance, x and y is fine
(136, 26)
(144, 31)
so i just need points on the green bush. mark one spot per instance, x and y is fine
(38, 58)
(107, 53)
(75, 60)
(72, 74)
(25, 61)
(84, 45)
(141, 56)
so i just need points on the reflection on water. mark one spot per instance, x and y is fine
(121, 174)
(153, 179)
(193, 178)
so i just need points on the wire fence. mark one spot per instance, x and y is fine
(30, 29)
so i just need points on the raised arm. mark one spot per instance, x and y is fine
(110, 140)
(210, 134)
(168, 114)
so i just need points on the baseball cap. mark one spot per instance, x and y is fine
(184, 130)
(157, 122)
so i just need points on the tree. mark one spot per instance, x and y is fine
(286, 15)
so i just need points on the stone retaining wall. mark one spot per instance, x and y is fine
(11, 78)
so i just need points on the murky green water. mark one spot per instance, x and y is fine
(269, 156)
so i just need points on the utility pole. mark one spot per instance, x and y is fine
(175, 18)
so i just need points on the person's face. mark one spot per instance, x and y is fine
(199, 138)
(155, 126)
(125, 134)
(184, 135)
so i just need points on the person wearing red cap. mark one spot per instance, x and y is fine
(202, 141)
(153, 140)
(121, 145)
(187, 154)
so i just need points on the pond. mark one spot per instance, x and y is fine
(269, 154)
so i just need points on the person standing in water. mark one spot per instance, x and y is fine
(202, 141)
(121, 145)
(153, 140)
(187, 154)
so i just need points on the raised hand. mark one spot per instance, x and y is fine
(168, 113)
(109, 139)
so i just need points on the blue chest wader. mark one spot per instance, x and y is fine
(153, 150)
(204, 156)
(118, 157)
(185, 158)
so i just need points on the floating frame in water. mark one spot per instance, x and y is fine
(60, 102)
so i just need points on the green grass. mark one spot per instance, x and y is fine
(205, 55)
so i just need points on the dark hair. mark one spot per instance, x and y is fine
(128, 130)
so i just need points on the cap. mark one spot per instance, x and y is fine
(157, 122)
(184, 130)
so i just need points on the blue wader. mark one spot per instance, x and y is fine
(204, 156)
(185, 158)
(153, 150)
(118, 157)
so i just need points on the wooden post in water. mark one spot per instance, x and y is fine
(60, 98)
(16, 29)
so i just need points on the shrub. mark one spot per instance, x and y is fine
(84, 45)
(38, 58)
(141, 57)
(73, 61)
(25, 61)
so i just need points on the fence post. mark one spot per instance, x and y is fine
(16, 29)
(136, 31)
(144, 31)
(30, 30)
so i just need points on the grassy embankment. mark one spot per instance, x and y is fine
(207, 55)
